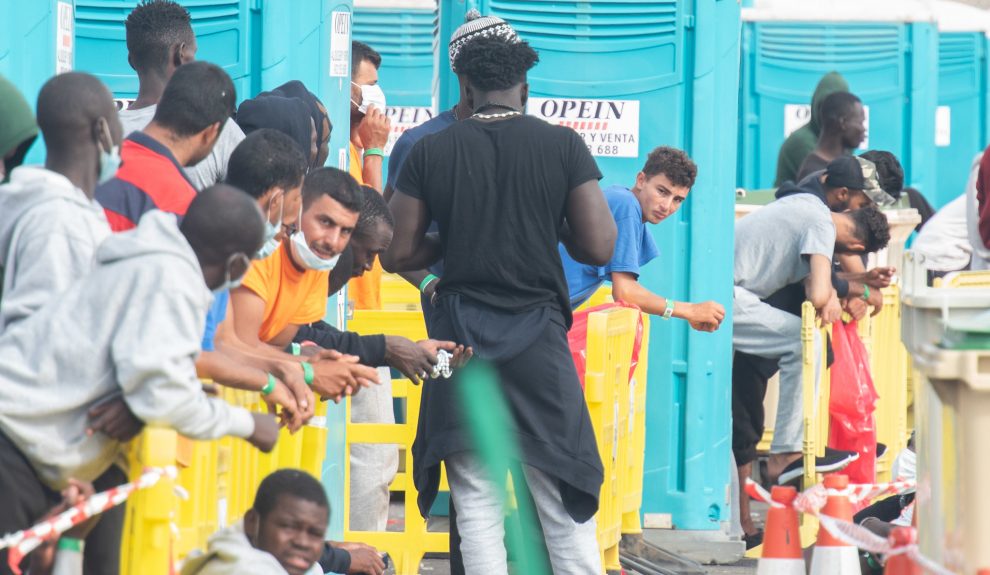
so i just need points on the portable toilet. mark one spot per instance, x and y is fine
(961, 116)
(676, 86)
(404, 33)
(36, 41)
(223, 36)
(886, 49)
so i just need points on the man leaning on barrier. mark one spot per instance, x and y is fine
(132, 329)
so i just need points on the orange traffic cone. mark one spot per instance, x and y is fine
(901, 564)
(782, 543)
(831, 556)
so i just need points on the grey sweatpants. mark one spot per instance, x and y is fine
(373, 465)
(573, 546)
(763, 330)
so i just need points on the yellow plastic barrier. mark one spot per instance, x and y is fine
(399, 295)
(611, 334)
(221, 478)
(406, 547)
(148, 541)
(632, 478)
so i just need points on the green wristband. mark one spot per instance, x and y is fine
(296, 348)
(375, 152)
(69, 544)
(426, 281)
(270, 386)
(308, 375)
(866, 292)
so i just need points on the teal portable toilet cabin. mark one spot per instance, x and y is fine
(629, 77)
(222, 36)
(404, 33)
(37, 39)
(961, 115)
(886, 49)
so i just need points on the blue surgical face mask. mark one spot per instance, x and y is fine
(109, 160)
(229, 284)
(271, 230)
(309, 259)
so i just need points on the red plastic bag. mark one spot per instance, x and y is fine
(577, 338)
(852, 401)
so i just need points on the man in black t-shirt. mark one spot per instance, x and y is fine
(504, 189)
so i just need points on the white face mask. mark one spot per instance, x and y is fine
(271, 230)
(109, 160)
(371, 94)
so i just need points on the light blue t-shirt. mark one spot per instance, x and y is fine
(634, 248)
(214, 317)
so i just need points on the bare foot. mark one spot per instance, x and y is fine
(745, 518)
(778, 462)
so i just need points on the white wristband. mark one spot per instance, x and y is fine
(669, 309)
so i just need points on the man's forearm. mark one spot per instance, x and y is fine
(415, 277)
(426, 253)
(372, 172)
(225, 370)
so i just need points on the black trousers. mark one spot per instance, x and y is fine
(24, 499)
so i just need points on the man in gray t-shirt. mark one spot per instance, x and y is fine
(788, 241)
(160, 38)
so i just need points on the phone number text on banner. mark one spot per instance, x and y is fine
(609, 128)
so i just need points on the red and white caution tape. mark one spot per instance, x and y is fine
(24, 542)
(864, 539)
(813, 499)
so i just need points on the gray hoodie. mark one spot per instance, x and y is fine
(229, 552)
(49, 231)
(133, 326)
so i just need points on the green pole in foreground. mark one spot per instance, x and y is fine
(490, 425)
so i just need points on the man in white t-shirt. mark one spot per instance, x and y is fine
(944, 239)
(160, 38)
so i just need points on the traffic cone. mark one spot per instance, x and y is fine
(782, 553)
(831, 556)
(901, 564)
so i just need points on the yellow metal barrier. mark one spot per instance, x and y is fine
(406, 547)
(889, 363)
(816, 415)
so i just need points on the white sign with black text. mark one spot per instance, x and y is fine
(404, 118)
(610, 128)
(340, 44)
(65, 38)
